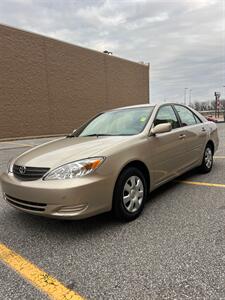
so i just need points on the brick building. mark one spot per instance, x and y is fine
(49, 87)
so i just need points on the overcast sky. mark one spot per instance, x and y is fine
(183, 40)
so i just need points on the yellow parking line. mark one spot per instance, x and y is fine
(201, 183)
(219, 156)
(41, 280)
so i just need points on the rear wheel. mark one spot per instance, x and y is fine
(130, 194)
(207, 161)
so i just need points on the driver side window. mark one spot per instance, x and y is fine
(166, 114)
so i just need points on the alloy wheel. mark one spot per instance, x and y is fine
(133, 194)
(208, 157)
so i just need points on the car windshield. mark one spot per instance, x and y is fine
(129, 121)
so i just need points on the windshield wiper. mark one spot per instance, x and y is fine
(71, 135)
(97, 134)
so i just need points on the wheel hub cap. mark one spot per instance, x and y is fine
(208, 157)
(133, 193)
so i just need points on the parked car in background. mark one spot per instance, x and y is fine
(111, 162)
(212, 119)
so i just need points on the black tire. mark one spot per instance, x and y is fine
(120, 210)
(207, 161)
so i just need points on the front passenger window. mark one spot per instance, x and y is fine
(166, 114)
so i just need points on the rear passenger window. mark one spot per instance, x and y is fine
(186, 116)
(166, 114)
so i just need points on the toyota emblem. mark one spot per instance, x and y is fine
(22, 170)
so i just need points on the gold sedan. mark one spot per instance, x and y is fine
(111, 162)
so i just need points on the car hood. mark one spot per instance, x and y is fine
(65, 150)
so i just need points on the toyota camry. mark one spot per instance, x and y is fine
(111, 162)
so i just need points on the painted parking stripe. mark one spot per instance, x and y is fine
(41, 280)
(201, 183)
(219, 156)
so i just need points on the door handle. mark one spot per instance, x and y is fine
(182, 136)
(203, 129)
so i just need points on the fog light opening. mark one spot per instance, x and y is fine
(70, 210)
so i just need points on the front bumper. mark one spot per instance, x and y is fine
(68, 199)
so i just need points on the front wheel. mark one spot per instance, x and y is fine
(207, 161)
(130, 194)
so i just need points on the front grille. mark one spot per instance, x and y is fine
(29, 173)
(32, 206)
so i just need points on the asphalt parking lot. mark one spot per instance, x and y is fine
(175, 250)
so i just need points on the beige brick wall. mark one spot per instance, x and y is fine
(49, 87)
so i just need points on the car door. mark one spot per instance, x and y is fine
(195, 134)
(167, 150)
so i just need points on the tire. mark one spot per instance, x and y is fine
(130, 194)
(207, 161)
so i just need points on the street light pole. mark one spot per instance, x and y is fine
(185, 92)
(190, 96)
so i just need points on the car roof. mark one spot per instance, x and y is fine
(145, 105)
(132, 106)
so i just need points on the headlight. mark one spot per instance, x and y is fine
(75, 169)
(10, 165)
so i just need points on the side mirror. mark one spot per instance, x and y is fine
(161, 128)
